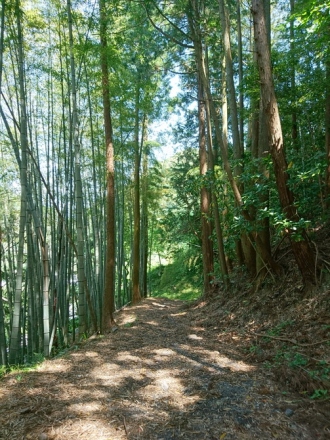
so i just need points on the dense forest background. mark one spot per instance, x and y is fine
(92, 217)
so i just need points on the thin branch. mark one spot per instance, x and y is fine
(171, 23)
(165, 34)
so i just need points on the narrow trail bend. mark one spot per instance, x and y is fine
(159, 377)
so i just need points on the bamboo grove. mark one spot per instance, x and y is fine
(85, 204)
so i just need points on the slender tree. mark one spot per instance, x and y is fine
(109, 286)
(3, 345)
(14, 354)
(136, 294)
(78, 182)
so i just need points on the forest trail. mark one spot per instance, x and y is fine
(159, 377)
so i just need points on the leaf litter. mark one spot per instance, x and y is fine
(172, 371)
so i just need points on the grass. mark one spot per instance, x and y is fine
(21, 369)
(187, 294)
(177, 280)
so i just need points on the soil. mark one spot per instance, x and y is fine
(174, 371)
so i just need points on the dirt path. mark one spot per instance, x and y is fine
(159, 377)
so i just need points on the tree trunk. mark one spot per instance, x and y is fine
(327, 129)
(109, 286)
(15, 330)
(262, 153)
(200, 61)
(303, 252)
(205, 199)
(3, 345)
(294, 122)
(240, 74)
(144, 216)
(237, 146)
(217, 221)
(136, 295)
(78, 185)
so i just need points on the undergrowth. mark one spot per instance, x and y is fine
(18, 370)
(180, 279)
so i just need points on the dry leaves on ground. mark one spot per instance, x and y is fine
(159, 377)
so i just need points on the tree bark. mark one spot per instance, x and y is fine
(14, 351)
(144, 215)
(3, 345)
(200, 62)
(302, 250)
(205, 198)
(216, 215)
(109, 285)
(294, 119)
(136, 295)
(78, 184)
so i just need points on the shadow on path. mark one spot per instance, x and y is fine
(158, 377)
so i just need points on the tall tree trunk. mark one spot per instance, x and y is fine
(205, 198)
(262, 152)
(216, 214)
(136, 295)
(294, 122)
(144, 216)
(237, 146)
(302, 250)
(327, 127)
(3, 345)
(15, 330)
(109, 286)
(200, 62)
(240, 74)
(244, 248)
(78, 183)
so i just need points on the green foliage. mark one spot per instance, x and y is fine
(291, 359)
(180, 279)
(19, 370)
(3, 370)
(254, 349)
(276, 331)
(130, 324)
(319, 394)
(180, 220)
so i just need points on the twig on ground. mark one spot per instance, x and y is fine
(125, 427)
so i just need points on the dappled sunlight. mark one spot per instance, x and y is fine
(106, 374)
(155, 323)
(157, 378)
(128, 318)
(234, 365)
(160, 352)
(179, 314)
(85, 409)
(77, 392)
(195, 337)
(211, 359)
(96, 427)
(167, 389)
(92, 354)
(61, 366)
(127, 357)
